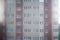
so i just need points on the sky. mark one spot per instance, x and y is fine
(2, 11)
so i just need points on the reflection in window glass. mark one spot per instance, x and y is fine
(27, 38)
(41, 38)
(41, 8)
(27, 30)
(10, 22)
(27, 22)
(18, 9)
(27, 15)
(10, 1)
(27, 7)
(35, 38)
(18, 30)
(10, 8)
(41, 30)
(46, 15)
(35, 22)
(27, 0)
(55, 37)
(10, 38)
(35, 30)
(18, 23)
(18, 16)
(35, 7)
(41, 0)
(10, 15)
(9, 29)
(55, 30)
(18, 38)
(46, 1)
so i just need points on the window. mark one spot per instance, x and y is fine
(18, 16)
(18, 1)
(18, 23)
(46, 23)
(35, 38)
(35, 22)
(38, 0)
(11, 22)
(41, 7)
(46, 1)
(18, 38)
(46, 7)
(46, 37)
(27, 15)
(55, 37)
(41, 30)
(41, 15)
(46, 15)
(41, 22)
(41, 38)
(35, 7)
(46, 30)
(35, 15)
(27, 38)
(27, 0)
(18, 30)
(10, 1)
(9, 30)
(27, 22)
(55, 20)
(10, 15)
(41, 0)
(10, 38)
(27, 30)
(55, 23)
(56, 30)
(35, 0)
(18, 9)
(35, 30)
(27, 7)
(10, 8)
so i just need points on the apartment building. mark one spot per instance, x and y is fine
(31, 19)
(2, 31)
